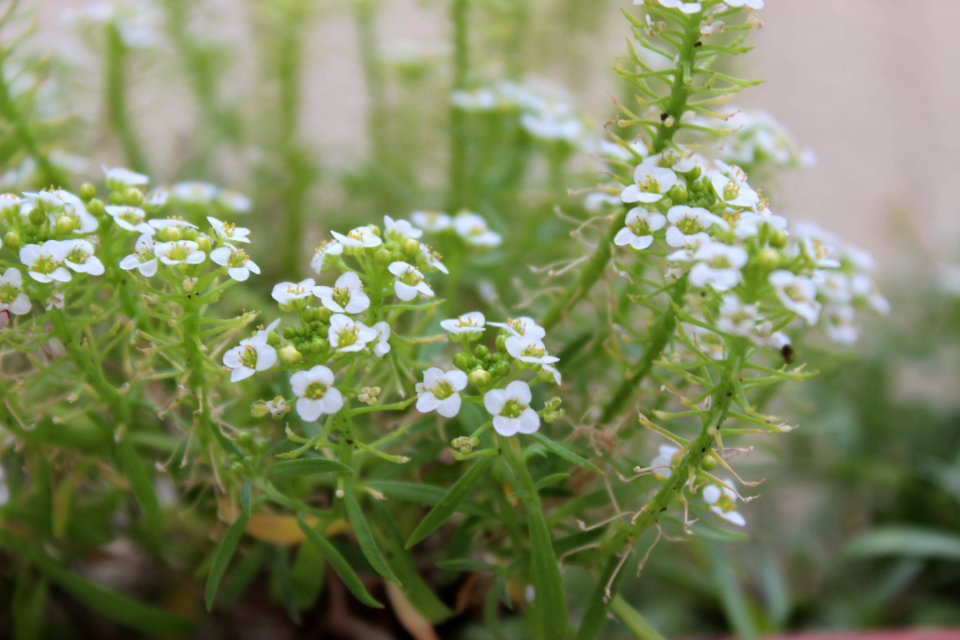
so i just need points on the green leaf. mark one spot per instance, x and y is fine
(368, 545)
(308, 576)
(306, 467)
(553, 478)
(425, 494)
(243, 574)
(449, 503)
(729, 591)
(340, 565)
(549, 603)
(561, 451)
(140, 484)
(222, 557)
(418, 592)
(115, 606)
(905, 542)
(637, 624)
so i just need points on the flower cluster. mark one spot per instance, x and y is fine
(755, 275)
(754, 138)
(470, 227)
(543, 118)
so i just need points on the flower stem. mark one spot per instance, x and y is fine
(623, 539)
(116, 86)
(21, 131)
(666, 129)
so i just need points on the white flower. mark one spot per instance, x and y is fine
(400, 229)
(348, 335)
(838, 319)
(471, 324)
(10, 202)
(228, 231)
(474, 230)
(326, 248)
(55, 301)
(143, 259)
(238, 263)
(170, 229)
(382, 346)
(45, 262)
(684, 7)
(129, 218)
(409, 281)
(650, 183)
(662, 465)
(640, 225)
(119, 178)
(689, 225)
(863, 288)
(431, 258)
(345, 296)
(530, 350)
(797, 293)
(730, 185)
(511, 410)
(722, 501)
(192, 192)
(478, 100)
(554, 121)
(524, 326)
(316, 395)
(234, 201)
(737, 318)
(251, 355)
(359, 238)
(765, 336)
(62, 203)
(439, 391)
(179, 252)
(156, 198)
(12, 297)
(287, 292)
(597, 201)
(78, 255)
(554, 373)
(833, 285)
(432, 221)
(719, 266)
(753, 4)
(750, 223)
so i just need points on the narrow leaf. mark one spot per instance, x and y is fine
(368, 545)
(222, 557)
(449, 503)
(115, 606)
(340, 565)
(550, 602)
(561, 451)
(140, 485)
(637, 624)
(906, 542)
(306, 467)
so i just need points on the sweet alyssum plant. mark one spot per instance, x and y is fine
(350, 421)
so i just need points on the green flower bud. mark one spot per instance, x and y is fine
(383, 256)
(204, 243)
(190, 233)
(37, 216)
(769, 259)
(410, 247)
(479, 377)
(678, 194)
(245, 439)
(259, 409)
(778, 239)
(95, 207)
(64, 225)
(462, 361)
(709, 463)
(133, 196)
(481, 351)
(87, 191)
(290, 355)
(12, 239)
(501, 341)
(169, 234)
(115, 197)
(501, 368)
(323, 314)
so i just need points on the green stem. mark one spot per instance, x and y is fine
(680, 92)
(659, 339)
(117, 98)
(458, 198)
(21, 131)
(623, 540)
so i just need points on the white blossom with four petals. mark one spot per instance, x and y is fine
(316, 395)
(409, 281)
(510, 408)
(345, 296)
(439, 391)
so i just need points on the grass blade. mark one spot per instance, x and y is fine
(350, 578)
(222, 557)
(449, 503)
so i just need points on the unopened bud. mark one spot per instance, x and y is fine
(383, 256)
(204, 243)
(290, 355)
(11, 239)
(769, 258)
(95, 207)
(170, 234)
(87, 191)
(37, 216)
(133, 196)
(410, 247)
(479, 377)
(709, 463)
(64, 225)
